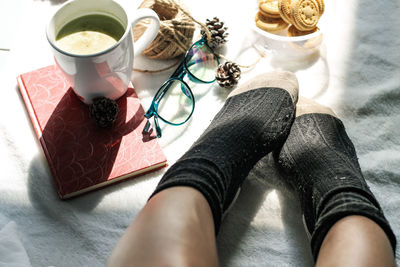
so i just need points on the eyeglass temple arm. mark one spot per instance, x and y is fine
(149, 112)
(158, 128)
(147, 128)
(148, 115)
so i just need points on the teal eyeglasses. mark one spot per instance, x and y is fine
(174, 100)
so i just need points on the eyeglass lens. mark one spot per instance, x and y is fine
(201, 62)
(177, 103)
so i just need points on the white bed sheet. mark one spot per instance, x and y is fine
(357, 73)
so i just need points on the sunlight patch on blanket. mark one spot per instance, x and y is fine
(270, 214)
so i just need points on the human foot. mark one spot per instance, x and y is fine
(255, 119)
(321, 164)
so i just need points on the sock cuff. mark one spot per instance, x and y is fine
(346, 204)
(202, 175)
(320, 204)
(204, 189)
(364, 192)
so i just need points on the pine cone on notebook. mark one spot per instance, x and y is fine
(103, 111)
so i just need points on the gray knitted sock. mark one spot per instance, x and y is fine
(322, 166)
(254, 120)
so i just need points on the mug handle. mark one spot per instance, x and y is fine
(151, 32)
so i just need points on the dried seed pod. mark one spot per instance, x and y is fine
(218, 32)
(228, 74)
(103, 111)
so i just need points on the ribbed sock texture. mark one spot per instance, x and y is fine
(248, 126)
(323, 168)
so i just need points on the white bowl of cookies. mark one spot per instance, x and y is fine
(290, 28)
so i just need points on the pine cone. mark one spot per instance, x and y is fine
(218, 32)
(103, 111)
(228, 74)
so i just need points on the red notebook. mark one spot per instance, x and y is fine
(82, 156)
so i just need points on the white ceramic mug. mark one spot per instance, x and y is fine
(107, 73)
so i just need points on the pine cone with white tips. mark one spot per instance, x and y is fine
(218, 32)
(228, 74)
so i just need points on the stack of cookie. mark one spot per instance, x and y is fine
(302, 16)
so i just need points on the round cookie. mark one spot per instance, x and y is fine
(321, 6)
(269, 8)
(274, 16)
(284, 10)
(269, 24)
(305, 14)
(293, 31)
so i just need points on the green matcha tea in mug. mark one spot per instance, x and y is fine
(93, 46)
(89, 34)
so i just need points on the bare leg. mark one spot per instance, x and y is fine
(175, 228)
(178, 224)
(355, 241)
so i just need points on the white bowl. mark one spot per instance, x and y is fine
(286, 47)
